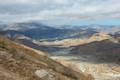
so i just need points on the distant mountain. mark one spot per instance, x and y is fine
(111, 29)
(39, 31)
(106, 28)
(36, 30)
(25, 26)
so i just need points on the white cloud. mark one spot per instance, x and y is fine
(19, 1)
(59, 9)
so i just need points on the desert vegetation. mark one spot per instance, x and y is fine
(20, 63)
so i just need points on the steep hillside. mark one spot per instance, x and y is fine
(99, 51)
(18, 62)
(99, 58)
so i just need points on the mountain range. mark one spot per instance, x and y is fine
(36, 30)
(92, 49)
(40, 31)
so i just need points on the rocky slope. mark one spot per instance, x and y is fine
(18, 62)
(101, 58)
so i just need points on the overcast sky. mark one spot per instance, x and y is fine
(61, 11)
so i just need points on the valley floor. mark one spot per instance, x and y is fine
(100, 71)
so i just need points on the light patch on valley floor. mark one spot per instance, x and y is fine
(44, 74)
(99, 71)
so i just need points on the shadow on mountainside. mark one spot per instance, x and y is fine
(104, 51)
(48, 48)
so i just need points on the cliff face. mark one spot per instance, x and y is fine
(18, 62)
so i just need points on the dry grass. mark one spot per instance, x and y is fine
(76, 42)
(24, 61)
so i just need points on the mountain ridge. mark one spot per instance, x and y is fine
(24, 62)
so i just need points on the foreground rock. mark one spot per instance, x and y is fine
(18, 62)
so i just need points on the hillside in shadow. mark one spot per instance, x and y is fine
(105, 51)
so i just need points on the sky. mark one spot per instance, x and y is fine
(61, 12)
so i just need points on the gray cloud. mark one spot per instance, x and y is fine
(13, 10)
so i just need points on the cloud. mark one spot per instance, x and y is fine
(19, 1)
(13, 10)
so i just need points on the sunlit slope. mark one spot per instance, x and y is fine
(18, 62)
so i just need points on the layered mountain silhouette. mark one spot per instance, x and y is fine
(38, 31)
